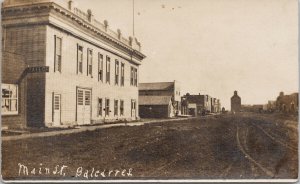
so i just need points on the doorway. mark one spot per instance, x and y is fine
(56, 109)
(83, 106)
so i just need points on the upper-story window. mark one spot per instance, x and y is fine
(122, 74)
(107, 69)
(117, 72)
(9, 99)
(89, 62)
(133, 76)
(100, 67)
(57, 53)
(79, 59)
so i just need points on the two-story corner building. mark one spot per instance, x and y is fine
(159, 99)
(68, 68)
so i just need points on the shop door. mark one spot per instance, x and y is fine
(133, 108)
(83, 106)
(56, 109)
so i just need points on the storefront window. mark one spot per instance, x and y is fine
(9, 99)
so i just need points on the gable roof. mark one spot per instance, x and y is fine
(154, 100)
(156, 86)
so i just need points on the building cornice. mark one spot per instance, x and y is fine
(54, 9)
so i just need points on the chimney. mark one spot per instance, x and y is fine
(130, 40)
(281, 93)
(89, 13)
(105, 25)
(119, 33)
(70, 5)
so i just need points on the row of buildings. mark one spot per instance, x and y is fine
(163, 99)
(283, 103)
(197, 105)
(63, 67)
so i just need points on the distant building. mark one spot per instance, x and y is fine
(235, 102)
(252, 108)
(184, 106)
(271, 106)
(156, 96)
(213, 104)
(198, 105)
(208, 103)
(265, 107)
(223, 110)
(156, 107)
(246, 108)
(287, 103)
(216, 105)
(195, 104)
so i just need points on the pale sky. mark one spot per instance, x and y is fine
(212, 46)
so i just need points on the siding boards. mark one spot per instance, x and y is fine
(29, 43)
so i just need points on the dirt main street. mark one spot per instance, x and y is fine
(226, 146)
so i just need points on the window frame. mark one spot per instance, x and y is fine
(116, 107)
(89, 62)
(135, 77)
(100, 107)
(79, 59)
(121, 107)
(107, 69)
(100, 67)
(107, 106)
(122, 80)
(117, 72)
(133, 107)
(131, 76)
(57, 62)
(9, 99)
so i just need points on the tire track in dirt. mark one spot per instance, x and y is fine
(293, 148)
(248, 157)
(236, 164)
(253, 167)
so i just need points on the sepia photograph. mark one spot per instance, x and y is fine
(149, 91)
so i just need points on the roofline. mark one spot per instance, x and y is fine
(107, 35)
(154, 82)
